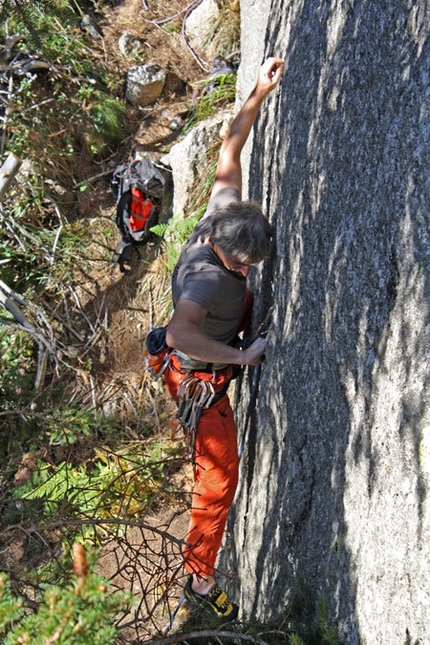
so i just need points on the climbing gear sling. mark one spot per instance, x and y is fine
(194, 391)
(194, 395)
(197, 391)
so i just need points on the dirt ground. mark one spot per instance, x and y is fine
(158, 30)
(111, 312)
(146, 562)
(131, 303)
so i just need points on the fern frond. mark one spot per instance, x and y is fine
(159, 229)
(295, 639)
(329, 634)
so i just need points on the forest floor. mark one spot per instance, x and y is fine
(139, 299)
(105, 315)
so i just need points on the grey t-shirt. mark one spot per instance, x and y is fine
(201, 277)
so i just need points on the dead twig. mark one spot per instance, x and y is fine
(63, 523)
(8, 172)
(10, 228)
(7, 113)
(66, 325)
(206, 633)
(93, 178)
(42, 364)
(78, 303)
(35, 106)
(163, 21)
(187, 44)
(54, 246)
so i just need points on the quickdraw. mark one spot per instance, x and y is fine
(194, 396)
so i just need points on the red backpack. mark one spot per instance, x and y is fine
(139, 186)
(141, 208)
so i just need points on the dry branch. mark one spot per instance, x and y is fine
(206, 633)
(47, 346)
(7, 173)
(9, 299)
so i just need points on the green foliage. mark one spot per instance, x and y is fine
(106, 115)
(76, 107)
(30, 262)
(175, 233)
(66, 424)
(295, 639)
(16, 348)
(49, 416)
(218, 91)
(16, 381)
(52, 29)
(81, 613)
(173, 27)
(35, 19)
(110, 485)
(43, 252)
(12, 609)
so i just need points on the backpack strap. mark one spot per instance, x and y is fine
(122, 254)
(123, 207)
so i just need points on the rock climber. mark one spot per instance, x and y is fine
(209, 296)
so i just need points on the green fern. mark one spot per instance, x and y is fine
(51, 483)
(295, 639)
(118, 484)
(159, 229)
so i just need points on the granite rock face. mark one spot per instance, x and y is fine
(187, 158)
(333, 500)
(200, 25)
(145, 84)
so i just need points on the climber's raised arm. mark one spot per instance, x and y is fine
(229, 171)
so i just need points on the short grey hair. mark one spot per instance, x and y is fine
(242, 231)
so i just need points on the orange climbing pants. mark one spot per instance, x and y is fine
(216, 473)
